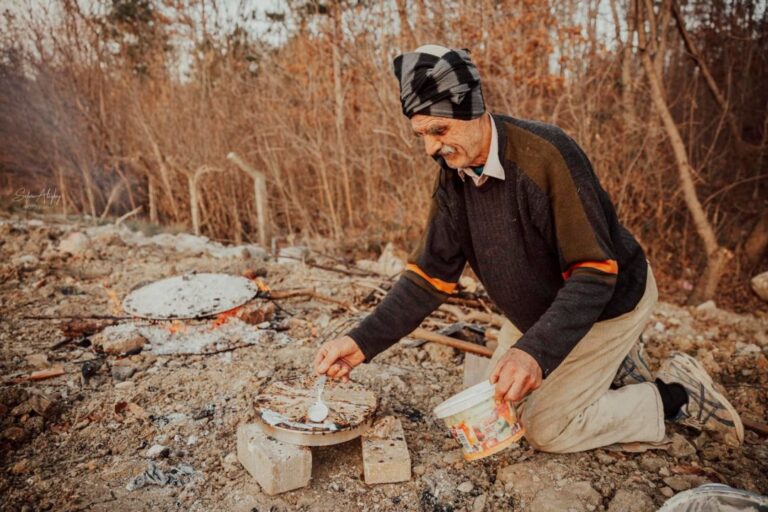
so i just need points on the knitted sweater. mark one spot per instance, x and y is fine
(545, 242)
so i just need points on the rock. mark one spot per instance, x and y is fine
(75, 243)
(130, 345)
(681, 447)
(157, 451)
(38, 361)
(707, 306)
(745, 349)
(678, 483)
(652, 463)
(603, 458)
(760, 285)
(553, 500)
(585, 492)
(523, 477)
(265, 374)
(631, 501)
(419, 469)
(479, 504)
(439, 353)
(466, 487)
(128, 384)
(122, 373)
(667, 492)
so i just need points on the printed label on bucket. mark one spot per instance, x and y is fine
(481, 435)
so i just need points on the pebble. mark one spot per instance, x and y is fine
(157, 451)
(265, 374)
(479, 504)
(419, 469)
(122, 373)
(681, 447)
(466, 487)
(128, 384)
(667, 492)
(652, 463)
(677, 483)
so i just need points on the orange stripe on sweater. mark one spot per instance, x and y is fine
(436, 283)
(607, 266)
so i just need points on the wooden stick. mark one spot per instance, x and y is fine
(310, 292)
(756, 426)
(464, 346)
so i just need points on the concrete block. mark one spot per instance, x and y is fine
(476, 369)
(385, 453)
(277, 466)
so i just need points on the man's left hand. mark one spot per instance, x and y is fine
(516, 374)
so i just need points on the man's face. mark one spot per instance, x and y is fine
(458, 142)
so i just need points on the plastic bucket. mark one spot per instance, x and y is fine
(481, 425)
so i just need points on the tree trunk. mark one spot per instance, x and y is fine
(338, 91)
(717, 257)
(757, 241)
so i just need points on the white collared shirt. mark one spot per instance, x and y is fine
(492, 168)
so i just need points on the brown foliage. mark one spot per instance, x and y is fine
(124, 109)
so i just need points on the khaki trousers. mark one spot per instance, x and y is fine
(574, 409)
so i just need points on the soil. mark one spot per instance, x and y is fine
(79, 440)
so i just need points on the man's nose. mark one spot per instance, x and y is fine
(431, 145)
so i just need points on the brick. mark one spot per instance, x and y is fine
(476, 369)
(385, 453)
(277, 467)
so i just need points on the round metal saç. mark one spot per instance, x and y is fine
(282, 412)
(190, 296)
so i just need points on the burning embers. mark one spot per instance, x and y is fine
(193, 314)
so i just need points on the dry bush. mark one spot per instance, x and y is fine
(123, 108)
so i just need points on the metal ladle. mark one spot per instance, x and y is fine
(318, 411)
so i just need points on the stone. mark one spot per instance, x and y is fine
(466, 487)
(667, 492)
(652, 463)
(122, 373)
(277, 467)
(745, 349)
(75, 243)
(439, 353)
(157, 451)
(760, 285)
(678, 483)
(681, 447)
(476, 369)
(38, 361)
(603, 458)
(585, 492)
(385, 453)
(129, 345)
(478, 505)
(631, 501)
(419, 469)
(523, 478)
(128, 384)
(554, 500)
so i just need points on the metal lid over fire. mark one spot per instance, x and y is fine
(190, 296)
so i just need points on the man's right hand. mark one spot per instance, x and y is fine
(336, 358)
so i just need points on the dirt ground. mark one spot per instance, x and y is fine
(77, 441)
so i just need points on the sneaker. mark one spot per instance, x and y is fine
(634, 369)
(707, 409)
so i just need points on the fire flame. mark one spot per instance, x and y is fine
(176, 326)
(224, 317)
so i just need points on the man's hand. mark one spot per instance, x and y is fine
(516, 374)
(336, 358)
